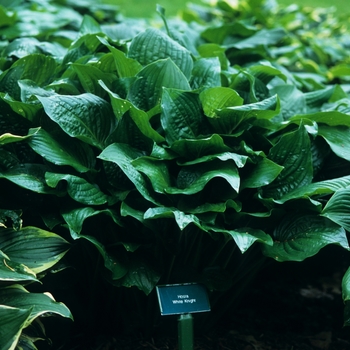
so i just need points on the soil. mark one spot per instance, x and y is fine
(290, 306)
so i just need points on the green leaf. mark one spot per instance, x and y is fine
(181, 218)
(140, 117)
(263, 173)
(263, 37)
(317, 188)
(229, 118)
(181, 115)
(206, 73)
(217, 34)
(26, 110)
(293, 152)
(111, 263)
(10, 138)
(292, 100)
(78, 188)
(338, 139)
(123, 155)
(126, 67)
(38, 304)
(14, 272)
(29, 176)
(7, 18)
(12, 322)
(197, 148)
(146, 91)
(89, 76)
(337, 208)
(35, 248)
(156, 171)
(152, 45)
(13, 215)
(218, 98)
(141, 275)
(315, 99)
(192, 179)
(245, 237)
(89, 26)
(331, 118)
(300, 237)
(75, 218)
(239, 160)
(36, 67)
(340, 70)
(346, 287)
(86, 117)
(69, 152)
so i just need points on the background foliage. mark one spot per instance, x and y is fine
(136, 153)
(133, 8)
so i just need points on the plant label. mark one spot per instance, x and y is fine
(175, 299)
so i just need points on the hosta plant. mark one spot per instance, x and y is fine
(184, 150)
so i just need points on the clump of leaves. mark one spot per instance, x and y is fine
(164, 153)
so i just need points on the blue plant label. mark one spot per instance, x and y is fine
(175, 299)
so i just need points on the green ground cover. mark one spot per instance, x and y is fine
(136, 153)
(134, 8)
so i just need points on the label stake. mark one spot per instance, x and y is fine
(183, 300)
(185, 332)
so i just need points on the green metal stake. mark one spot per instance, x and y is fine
(185, 332)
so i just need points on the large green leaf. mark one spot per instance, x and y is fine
(113, 264)
(182, 219)
(346, 287)
(338, 139)
(245, 237)
(228, 119)
(293, 152)
(157, 172)
(346, 296)
(292, 100)
(29, 176)
(62, 152)
(140, 117)
(264, 172)
(196, 149)
(35, 248)
(123, 155)
(126, 66)
(38, 304)
(317, 188)
(331, 118)
(10, 215)
(192, 179)
(10, 138)
(206, 73)
(78, 188)
(262, 37)
(89, 76)
(26, 110)
(146, 91)
(11, 271)
(181, 115)
(140, 274)
(300, 237)
(239, 159)
(218, 98)
(75, 218)
(12, 321)
(153, 45)
(36, 67)
(86, 117)
(337, 208)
